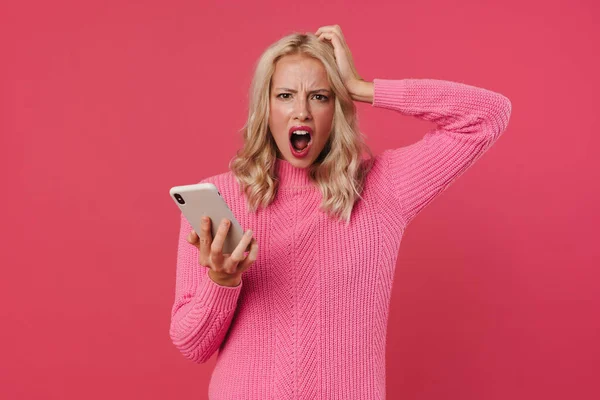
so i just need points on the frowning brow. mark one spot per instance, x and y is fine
(295, 91)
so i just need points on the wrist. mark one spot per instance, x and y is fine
(362, 91)
(224, 279)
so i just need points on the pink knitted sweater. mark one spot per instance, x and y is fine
(309, 319)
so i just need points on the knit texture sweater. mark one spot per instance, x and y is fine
(309, 320)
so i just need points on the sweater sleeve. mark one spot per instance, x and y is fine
(469, 120)
(203, 310)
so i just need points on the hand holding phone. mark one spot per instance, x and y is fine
(225, 269)
(225, 256)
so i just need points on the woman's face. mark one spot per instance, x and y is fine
(300, 99)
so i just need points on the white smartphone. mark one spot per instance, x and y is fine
(200, 199)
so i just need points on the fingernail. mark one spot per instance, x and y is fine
(249, 232)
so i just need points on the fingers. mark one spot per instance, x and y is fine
(202, 242)
(192, 238)
(250, 258)
(205, 241)
(330, 28)
(333, 37)
(238, 254)
(342, 53)
(333, 33)
(216, 248)
(211, 251)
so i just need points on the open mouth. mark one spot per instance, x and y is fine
(300, 139)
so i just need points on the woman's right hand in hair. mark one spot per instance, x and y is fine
(224, 269)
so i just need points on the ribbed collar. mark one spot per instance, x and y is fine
(291, 176)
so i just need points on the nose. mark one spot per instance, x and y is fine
(302, 110)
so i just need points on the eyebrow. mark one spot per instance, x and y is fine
(312, 91)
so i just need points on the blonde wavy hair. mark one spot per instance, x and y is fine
(339, 172)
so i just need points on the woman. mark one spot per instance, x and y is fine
(309, 319)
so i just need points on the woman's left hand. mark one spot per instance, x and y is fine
(343, 57)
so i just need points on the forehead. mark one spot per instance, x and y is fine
(298, 70)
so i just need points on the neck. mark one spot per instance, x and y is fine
(291, 176)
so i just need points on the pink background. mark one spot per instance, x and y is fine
(107, 104)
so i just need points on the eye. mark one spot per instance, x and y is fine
(284, 94)
(321, 97)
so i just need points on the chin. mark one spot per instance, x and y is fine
(300, 162)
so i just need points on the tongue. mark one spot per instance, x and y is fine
(300, 142)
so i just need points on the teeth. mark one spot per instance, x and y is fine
(300, 132)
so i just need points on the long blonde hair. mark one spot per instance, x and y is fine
(339, 172)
